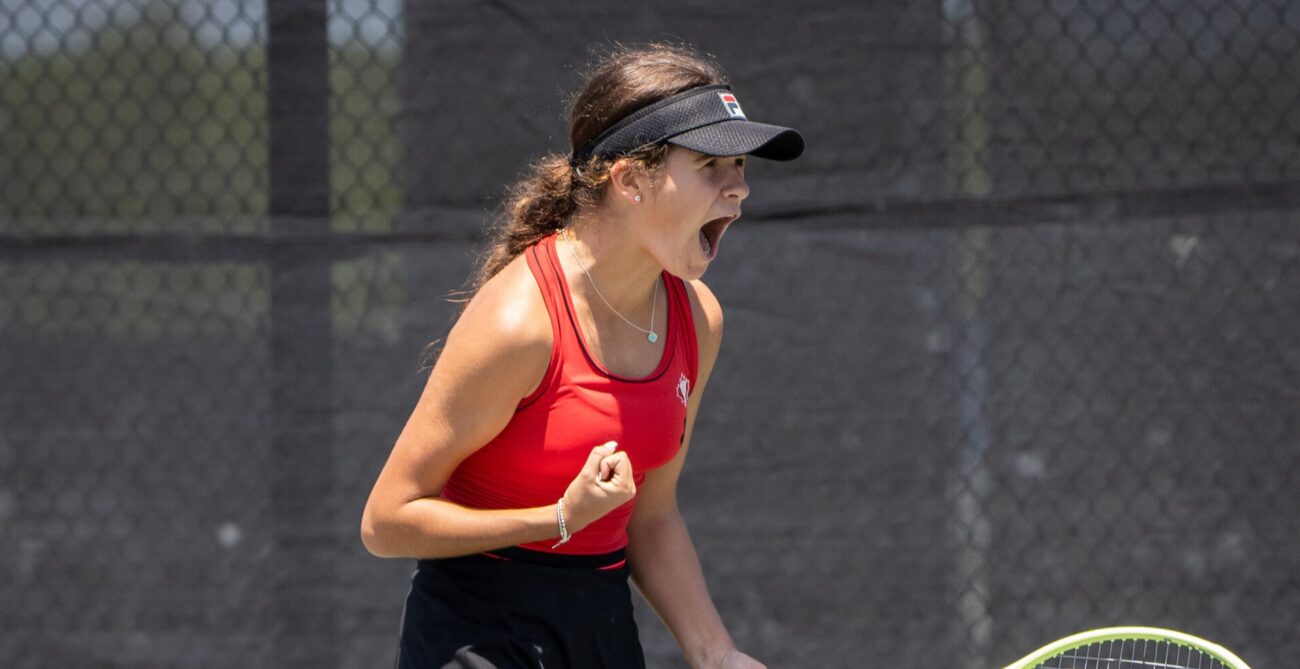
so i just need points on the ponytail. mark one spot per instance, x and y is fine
(545, 201)
(537, 206)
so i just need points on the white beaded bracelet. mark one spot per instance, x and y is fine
(564, 528)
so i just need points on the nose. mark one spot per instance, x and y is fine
(736, 186)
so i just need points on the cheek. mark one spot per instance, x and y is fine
(693, 196)
(682, 204)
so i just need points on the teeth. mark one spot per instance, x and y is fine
(704, 243)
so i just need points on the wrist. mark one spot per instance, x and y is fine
(573, 515)
(562, 523)
(713, 656)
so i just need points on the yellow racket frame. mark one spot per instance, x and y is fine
(1130, 633)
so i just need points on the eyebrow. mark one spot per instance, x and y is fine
(704, 157)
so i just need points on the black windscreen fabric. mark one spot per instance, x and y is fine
(1009, 350)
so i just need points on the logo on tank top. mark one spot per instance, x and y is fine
(683, 389)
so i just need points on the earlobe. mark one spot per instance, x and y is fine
(623, 176)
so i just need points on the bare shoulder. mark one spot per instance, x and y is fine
(511, 303)
(505, 327)
(708, 317)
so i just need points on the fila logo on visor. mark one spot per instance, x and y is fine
(733, 107)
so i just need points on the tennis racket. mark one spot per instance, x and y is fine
(1131, 648)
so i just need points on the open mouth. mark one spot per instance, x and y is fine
(711, 234)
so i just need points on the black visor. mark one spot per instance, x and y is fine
(707, 119)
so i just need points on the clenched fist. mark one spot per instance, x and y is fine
(604, 484)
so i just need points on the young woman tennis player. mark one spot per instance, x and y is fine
(539, 470)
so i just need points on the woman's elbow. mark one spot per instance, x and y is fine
(374, 534)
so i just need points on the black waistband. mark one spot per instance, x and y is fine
(599, 562)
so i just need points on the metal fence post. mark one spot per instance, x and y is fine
(302, 498)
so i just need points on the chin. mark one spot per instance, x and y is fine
(692, 276)
(693, 270)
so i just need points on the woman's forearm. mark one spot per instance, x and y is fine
(666, 569)
(432, 527)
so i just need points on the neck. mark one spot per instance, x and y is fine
(623, 272)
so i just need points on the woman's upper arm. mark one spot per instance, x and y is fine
(494, 356)
(708, 325)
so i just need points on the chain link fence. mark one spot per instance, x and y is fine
(1010, 351)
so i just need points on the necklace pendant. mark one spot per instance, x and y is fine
(652, 337)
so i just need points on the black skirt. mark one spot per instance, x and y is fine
(515, 608)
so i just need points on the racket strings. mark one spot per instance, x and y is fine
(1132, 654)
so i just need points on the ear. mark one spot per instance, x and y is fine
(628, 182)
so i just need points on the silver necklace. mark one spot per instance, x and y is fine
(649, 334)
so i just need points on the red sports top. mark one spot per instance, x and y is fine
(578, 406)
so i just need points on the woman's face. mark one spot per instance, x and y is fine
(690, 206)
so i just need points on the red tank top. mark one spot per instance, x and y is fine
(578, 406)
